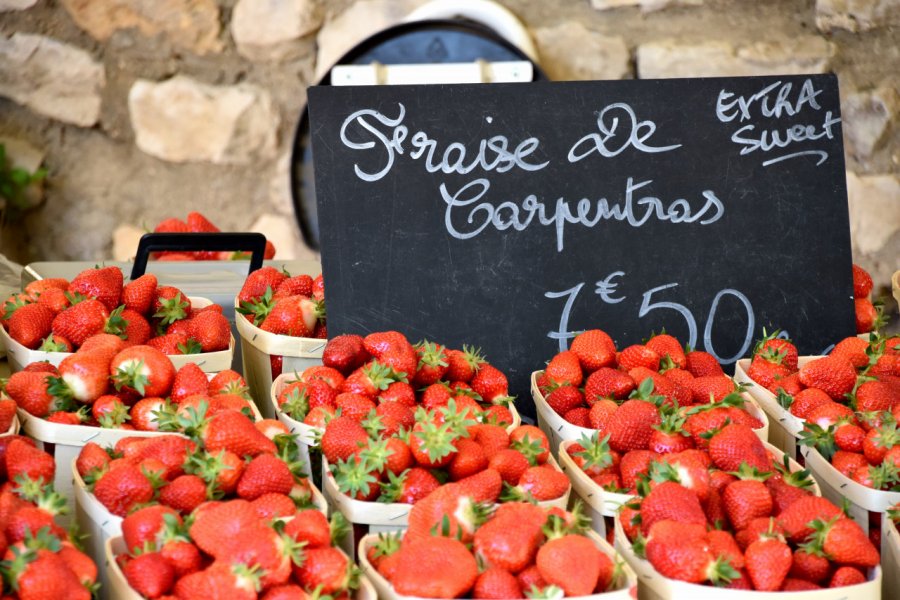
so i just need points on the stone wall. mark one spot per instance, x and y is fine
(144, 109)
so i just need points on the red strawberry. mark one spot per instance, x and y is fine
(491, 384)
(608, 383)
(701, 364)
(862, 282)
(667, 346)
(325, 569)
(343, 437)
(844, 576)
(265, 474)
(259, 281)
(197, 223)
(140, 293)
(40, 573)
(736, 444)
(768, 563)
(104, 284)
(122, 488)
(832, 375)
(233, 431)
(671, 501)
(571, 562)
(189, 380)
(211, 330)
(681, 551)
(463, 364)
(496, 583)
(638, 355)
(773, 346)
(595, 349)
(23, 459)
(766, 369)
(228, 382)
(432, 363)
(542, 483)
(83, 375)
(810, 565)
(171, 225)
(844, 542)
(747, 499)
(795, 519)
(143, 369)
(220, 581)
(294, 316)
(81, 321)
(565, 398)
(631, 426)
(36, 288)
(147, 524)
(30, 324)
(867, 317)
(170, 305)
(436, 567)
(31, 391)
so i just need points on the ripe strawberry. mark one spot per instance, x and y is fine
(265, 474)
(665, 347)
(30, 324)
(723, 545)
(343, 438)
(681, 551)
(773, 346)
(40, 573)
(122, 488)
(670, 501)
(634, 464)
(103, 284)
(571, 562)
(228, 382)
(701, 364)
(832, 375)
(580, 417)
(139, 294)
(233, 431)
(532, 442)
(184, 493)
(736, 444)
(31, 391)
(608, 383)
(432, 363)
(795, 519)
(810, 565)
(565, 398)
(766, 369)
(601, 413)
(768, 563)
(631, 426)
(747, 499)
(867, 316)
(345, 353)
(326, 569)
(496, 583)
(492, 438)
(541, 483)
(211, 330)
(23, 459)
(142, 369)
(38, 287)
(150, 574)
(220, 581)
(711, 388)
(170, 304)
(862, 282)
(845, 576)
(463, 364)
(638, 355)
(148, 524)
(436, 567)
(491, 384)
(81, 321)
(197, 223)
(844, 542)
(595, 349)
(875, 396)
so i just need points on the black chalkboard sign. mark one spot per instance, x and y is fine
(509, 216)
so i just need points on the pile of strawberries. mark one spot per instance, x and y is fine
(234, 550)
(40, 560)
(739, 519)
(107, 384)
(516, 549)
(197, 223)
(56, 315)
(226, 455)
(278, 303)
(869, 316)
(849, 401)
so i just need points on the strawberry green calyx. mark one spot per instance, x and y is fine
(40, 494)
(512, 493)
(800, 479)
(207, 467)
(354, 477)
(248, 577)
(192, 424)
(296, 404)
(431, 354)
(166, 417)
(530, 448)
(115, 417)
(192, 346)
(458, 420)
(376, 454)
(644, 391)
(659, 472)
(721, 573)
(473, 356)
(13, 568)
(288, 451)
(893, 513)
(784, 399)
(746, 472)
(639, 546)
(392, 489)
(382, 375)
(257, 310)
(550, 592)
(671, 421)
(131, 375)
(291, 547)
(387, 544)
(13, 305)
(172, 309)
(373, 424)
(339, 528)
(822, 439)
(115, 323)
(767, 337)
(75, 298)
(436, 440)
(49, 344)
(64, 397)
(595, 452)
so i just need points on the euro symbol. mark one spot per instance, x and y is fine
(606, 288)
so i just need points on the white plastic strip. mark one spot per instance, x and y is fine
(472, 72)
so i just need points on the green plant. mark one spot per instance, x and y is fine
(14, 182)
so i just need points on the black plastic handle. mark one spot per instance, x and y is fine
(254, 243)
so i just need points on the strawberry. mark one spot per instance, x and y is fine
(30, 324)
(565, 398)
(40, 573)
(55, 299)
(795, 519)
(197, 223)
(496, 583)
(170, 305)
(806, 401)
(491, 384)
(844, 576)
(862, 282)
(189, 380)
(773, 346)
(768, 563)
(298, 285)
(595, 349)
(681, 551)
(832, 375)
(150, 574)
(875, 396)
(867, 316)
(532, 442)
(171, 225)
(343, 437)
(601, 413)
(220, 581)
(103, 284)
(634, 464)
(148, 524)
(844, 542)
(173, 344)
(256, 284)
(294, 316)
(139, 294)
(747, 498)
(810, 565)
(122, 488)
(38, 287)
(436, 567)
(345, 353)
(432, 363)
(669, 350)
(23, 459)
(541, 483)
(463, 364)
(723, 545)
(325, 569)
(878, 441)
(671, 501)
(309, 526)
(228, 382)
(701, 364)
(638, 355)
(143, 369)
(766, 369)
(83, 376)
(230, 430)
(571, 562)
(736, 444)
(669, 435)
(711, 388)
(852, 349)
(608, 383)
(31, 391)
(265, 474)
(109, 411)
(631, 426)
